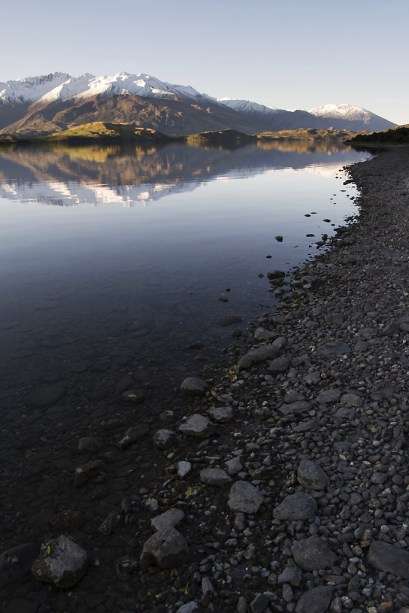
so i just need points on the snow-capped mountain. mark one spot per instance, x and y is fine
(246, 106)
(341, 111)
(61, 86)
(347, 112)
(31, 89)
(54, 102)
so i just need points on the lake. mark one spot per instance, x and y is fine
(116, 267)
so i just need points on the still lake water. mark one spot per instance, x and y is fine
(113, 258)
(112, 262)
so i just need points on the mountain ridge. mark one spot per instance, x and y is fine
(58, 101)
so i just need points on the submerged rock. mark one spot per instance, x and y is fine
(194, 386)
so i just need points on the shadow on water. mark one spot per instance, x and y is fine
(118, 285)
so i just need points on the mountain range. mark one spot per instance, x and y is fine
(58, 101)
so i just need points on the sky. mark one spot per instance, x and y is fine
(281, 53)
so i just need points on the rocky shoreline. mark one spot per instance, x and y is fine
(284, 487)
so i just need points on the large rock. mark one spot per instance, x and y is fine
(389, 558)
(194, 386)
(214, 476)
(316, 600)
(298, 506)
(261, 354)
(167, 549)
(244, 498)
(45, 396)
(61, 562)
(15, 563)
(313, 554)
(311, 475)
(197, 425)
(168, 519)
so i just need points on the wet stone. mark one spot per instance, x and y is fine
(197, 425)
(229, 320)
(163, 439)
(194, 386)
(61, 562)
(132, 435)
(87, 471)
(311, 475)
(166, 549)
(244, 498)
(133, 396)
(313, 554)
(298, 506)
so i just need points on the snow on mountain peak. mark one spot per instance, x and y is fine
(62, 86)
(245, 105)
(342, 111)
(29, 89)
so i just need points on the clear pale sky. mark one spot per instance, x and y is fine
(283, 53)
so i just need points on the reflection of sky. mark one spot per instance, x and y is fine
(167, 262)
(232, 218)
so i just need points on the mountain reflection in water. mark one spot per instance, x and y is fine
(68, 175)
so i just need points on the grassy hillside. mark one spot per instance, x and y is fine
(92, 132)
(306, 134)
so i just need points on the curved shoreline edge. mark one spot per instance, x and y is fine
(319, 430)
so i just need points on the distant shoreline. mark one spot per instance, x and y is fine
(109, 133)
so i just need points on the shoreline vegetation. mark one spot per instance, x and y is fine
(103, 132)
